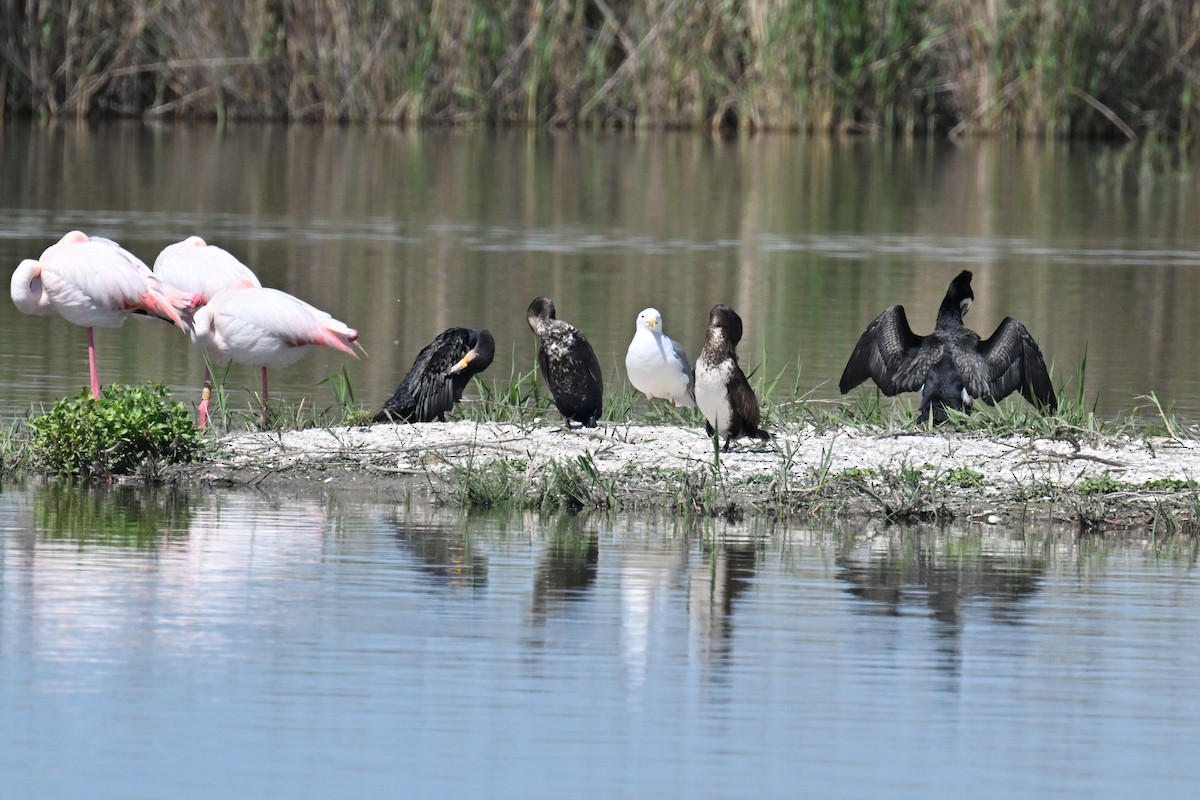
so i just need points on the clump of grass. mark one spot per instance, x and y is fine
(516, 401)
(127, 430)
(574, 486)
(571, 486)
(1100, 485)
(623, 402)
(15, 451)
(909, 493)
(486, 484)
(288, 415)
(344, 408)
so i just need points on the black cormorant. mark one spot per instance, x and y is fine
(438, 376)
(951, 367)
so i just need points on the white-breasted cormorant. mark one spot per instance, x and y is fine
(723, 394)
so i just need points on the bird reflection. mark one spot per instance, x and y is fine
(913, 573)
(724, 572)
(566, 571)
(444, 554)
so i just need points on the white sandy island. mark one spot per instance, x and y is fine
(800, 454)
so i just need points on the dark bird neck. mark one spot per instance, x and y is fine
(950, 312)
(949, 319)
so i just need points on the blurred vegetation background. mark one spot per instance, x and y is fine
(1080, 68)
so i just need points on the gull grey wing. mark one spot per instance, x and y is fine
(1010, 360)
(682, 356)
(892, 355)
(686, 363)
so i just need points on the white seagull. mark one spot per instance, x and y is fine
(657, 365)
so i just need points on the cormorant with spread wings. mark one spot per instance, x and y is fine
(951, 367)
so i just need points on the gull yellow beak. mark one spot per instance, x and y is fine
(652, 323)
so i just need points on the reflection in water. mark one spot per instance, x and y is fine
(919, 571)
(566, 569)
(724, 571)
(123, 516)
(190, 558)
(443, 553)
(282, 646)
(647, 578)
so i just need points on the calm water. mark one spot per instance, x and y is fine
(240, 645)
(222, 643)
(402, 234)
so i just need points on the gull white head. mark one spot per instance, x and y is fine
(650, 320)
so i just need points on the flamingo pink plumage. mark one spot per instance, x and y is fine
(266, 328)
(94, 283)
(196, 266)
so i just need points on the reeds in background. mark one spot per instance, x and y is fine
(1043, 68)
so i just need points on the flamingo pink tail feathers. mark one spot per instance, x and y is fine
(162, 305)
(337, 338)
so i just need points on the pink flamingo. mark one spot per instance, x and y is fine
(94, 283)
(195, 266)
(204, 269)
(260, 327)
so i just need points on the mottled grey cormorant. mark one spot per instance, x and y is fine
(568, 364)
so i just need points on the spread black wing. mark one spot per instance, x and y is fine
(892, 355)
(1010, 360)
(427, 393)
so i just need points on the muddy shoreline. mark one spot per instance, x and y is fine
(802, 472)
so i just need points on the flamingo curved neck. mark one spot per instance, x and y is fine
(28, 294)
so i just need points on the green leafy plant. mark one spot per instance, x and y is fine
(127, 430)
(343, 396)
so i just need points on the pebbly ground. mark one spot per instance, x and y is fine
(832, 471)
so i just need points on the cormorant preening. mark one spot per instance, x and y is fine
(437, 378)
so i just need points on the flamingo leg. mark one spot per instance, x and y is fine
(92, 363)
(264, 394)
(205, 394)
